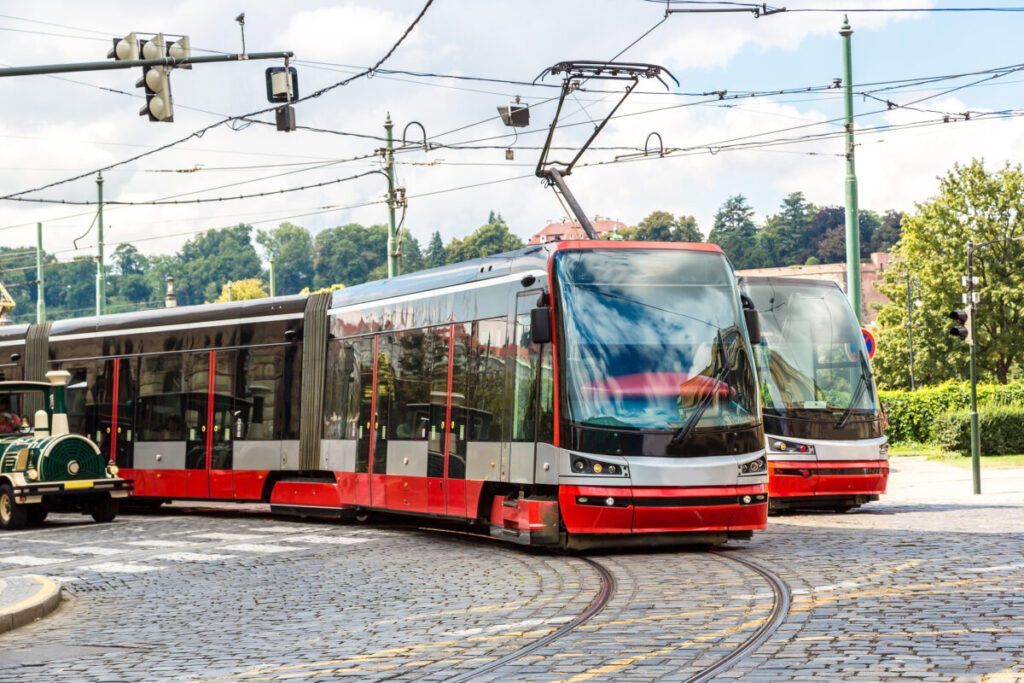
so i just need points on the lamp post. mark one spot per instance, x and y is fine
(972, 304)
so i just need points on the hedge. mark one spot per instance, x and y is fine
(1001, 429)
(913, 414)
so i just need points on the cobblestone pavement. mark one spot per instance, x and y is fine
(925, 584)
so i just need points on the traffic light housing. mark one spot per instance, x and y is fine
(962, 328)
(125, 48)
(156, 80)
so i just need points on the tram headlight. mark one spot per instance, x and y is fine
(112, 470)
(609, 501)
(582, 465)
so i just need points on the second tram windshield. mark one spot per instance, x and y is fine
(812, 357)
(654, 341)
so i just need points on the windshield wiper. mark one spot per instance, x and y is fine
(861, 386)
(683, 433)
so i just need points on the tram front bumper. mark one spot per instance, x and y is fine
(642, 510)
(828, 478)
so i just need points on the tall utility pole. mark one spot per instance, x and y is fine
(101, 280)
(273, 290)
(910, 330)
(389, 168)
(852, 213)
(40, 302)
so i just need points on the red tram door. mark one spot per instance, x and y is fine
(116, 408)
(209, 417)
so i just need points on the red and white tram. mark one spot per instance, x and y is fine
(565, 394)
(826, 449)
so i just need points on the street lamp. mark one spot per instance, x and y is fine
(972, 304)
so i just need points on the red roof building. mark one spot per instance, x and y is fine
(572, 231)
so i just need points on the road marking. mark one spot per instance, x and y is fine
(93, 550)
(262, 548)
(219, 536)
(156, 543)
(998, 569)
(29, 560)
(192, 557)
(325, 540)
(120, 568)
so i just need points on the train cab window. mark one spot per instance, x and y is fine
(532, 381)
(161, 410)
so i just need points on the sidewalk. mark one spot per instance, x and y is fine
(24, 599)
(915, 479)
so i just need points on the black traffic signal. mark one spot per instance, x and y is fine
(962, 329)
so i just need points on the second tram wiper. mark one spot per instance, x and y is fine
(683, 433)
(861, 386)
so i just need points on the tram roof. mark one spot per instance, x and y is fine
(784, 281)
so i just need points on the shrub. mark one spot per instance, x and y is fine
(1001, 429)
(913, 415)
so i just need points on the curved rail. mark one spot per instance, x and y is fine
(596, 605)
(778, 614)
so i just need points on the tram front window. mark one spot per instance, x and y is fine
(654, 343)
(811, 360)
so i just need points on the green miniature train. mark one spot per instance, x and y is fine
(43, 467)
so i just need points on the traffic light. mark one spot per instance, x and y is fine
(962, 329)
(156, 80)
(125, 48)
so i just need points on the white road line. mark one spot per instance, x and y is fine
(120, 568)
(30, 560)
(261, 548)
(192, 557)
(326, 540)
(158, 543)
(219, 536)
(1002, 568)
(93, 550)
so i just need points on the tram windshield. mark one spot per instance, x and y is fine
(812, 357)
(654, 341)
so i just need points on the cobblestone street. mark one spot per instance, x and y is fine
(923, 585)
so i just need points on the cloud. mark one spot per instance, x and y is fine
(347, 33)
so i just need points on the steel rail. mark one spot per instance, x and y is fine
(778, 614)
(604, 595)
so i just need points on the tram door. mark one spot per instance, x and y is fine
(209, 416)
(363, 354)
(383, 388)
(117, 413)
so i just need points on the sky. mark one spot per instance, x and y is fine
(54, 128)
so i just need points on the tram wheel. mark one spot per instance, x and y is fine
(363, 516)
(37, 514)
(12, 515)
(104, 509)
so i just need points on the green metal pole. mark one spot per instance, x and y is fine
(40, 301)
(975, 435)
(46, 69)
(389, 168)
(852, 213)
(101, 280)
(272, 288)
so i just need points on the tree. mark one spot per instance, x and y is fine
(436, 255)
(687, 230)
(291, 248)
(735, 232)
(411, 259)
(210, 259)
(242, 290)
(129, 261)
(487, 240)
(887, 234)
(348, 254)
(784, 235)
(972, 205)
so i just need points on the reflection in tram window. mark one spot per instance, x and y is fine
(160, 398)
(486, 380)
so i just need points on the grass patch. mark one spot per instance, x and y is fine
(939, 455)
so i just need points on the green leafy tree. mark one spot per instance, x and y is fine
(735, 232)
(410, 261)
(212, 258)
(436, 255)
(972, 205)
(348, 254)
(687, 231)
(291, 247)
(784, 235)
(242, 290)
(487, 240)
(887, 234)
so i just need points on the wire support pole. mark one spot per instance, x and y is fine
(389, 170)
(852, 213)
(45, 69)
(101, 281)
(40, 301)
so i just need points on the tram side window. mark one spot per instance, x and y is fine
(161, 411)
(485, 389)
(436, 412)
(411, 365)
(81, 399)
(530, 421)
(461, 342)
(261, 413)
(341, 403)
